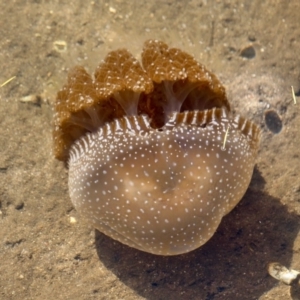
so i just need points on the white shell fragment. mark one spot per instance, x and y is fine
(283, 274)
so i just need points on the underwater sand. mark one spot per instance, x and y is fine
(47, 251)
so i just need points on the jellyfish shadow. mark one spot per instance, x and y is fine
(231, 265)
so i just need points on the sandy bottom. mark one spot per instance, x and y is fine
(47, 251)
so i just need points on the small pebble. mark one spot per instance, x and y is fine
(60, 46)
(34, 99)
(248, 52)
(273, 121)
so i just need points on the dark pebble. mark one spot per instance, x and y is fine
(273, 121)
(248, 52)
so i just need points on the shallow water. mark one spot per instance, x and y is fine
(47, 250)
